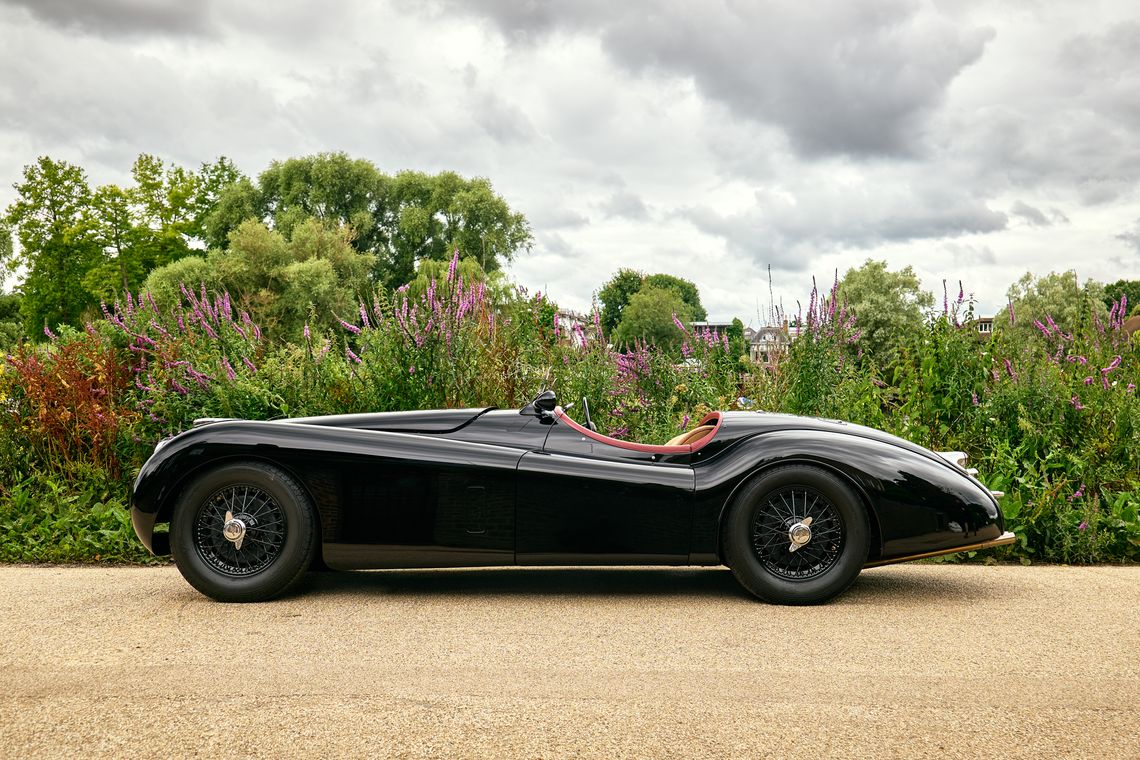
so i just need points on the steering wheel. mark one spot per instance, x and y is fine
(586, 411)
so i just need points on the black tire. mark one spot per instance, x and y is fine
(278, 525)
(755, 536)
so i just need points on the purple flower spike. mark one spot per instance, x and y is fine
(1083, 526)
(308, 335)
(352, 355)
(230, 374)
(1076, 402)
(49, 333)
(350, 327)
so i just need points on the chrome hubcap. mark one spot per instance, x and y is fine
(799, 534)
(234, 530)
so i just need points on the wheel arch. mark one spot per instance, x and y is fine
(165, 510)
(876, 537)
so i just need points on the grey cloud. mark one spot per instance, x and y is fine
(1132, 236)
(972, 255)
(626, 205)
(854, 78)
(780, 229)
(554, 243)
(503, 121)
(122, 18)
(1034, 216)
(545, 217)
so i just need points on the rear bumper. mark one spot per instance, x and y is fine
(1003, 540)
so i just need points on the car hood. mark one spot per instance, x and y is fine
(438, 421)
(739, 425)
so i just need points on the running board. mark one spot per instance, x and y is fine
(1002, 540)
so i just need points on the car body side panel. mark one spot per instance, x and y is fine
(386, 499)
(579, 510)
(918, 504)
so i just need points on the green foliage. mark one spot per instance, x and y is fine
(55, 243)
(1054, 422)
(1129, 289)
(1057, 298)
(400, 220)
(615, 296)
(889, 306)
(79, 247)
(316, 275)
(649, 317)
(682, 287)
(11, 325)
(621, 291)
(45, 520)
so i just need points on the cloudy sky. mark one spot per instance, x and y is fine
(712, 139)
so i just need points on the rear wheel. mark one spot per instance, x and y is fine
(796, 535)
(245, 532)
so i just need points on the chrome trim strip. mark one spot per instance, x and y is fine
(1002, 540)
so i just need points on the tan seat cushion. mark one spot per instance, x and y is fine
(691, 436)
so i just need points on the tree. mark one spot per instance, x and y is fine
(11, 324)
(1128, 288)
(684, 288)
(649, 317)
(279, 282)
(399, 220)
(56, 245)
(737, 343)
(1057, 296)
(616, 294)
(888, 306)
(111, 224)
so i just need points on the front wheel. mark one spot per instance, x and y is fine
(244, 532)
(796, 535)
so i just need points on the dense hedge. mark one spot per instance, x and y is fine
(1054, 422)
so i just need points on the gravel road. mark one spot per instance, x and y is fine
(915, 661)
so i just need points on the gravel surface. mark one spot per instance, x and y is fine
(915, 661)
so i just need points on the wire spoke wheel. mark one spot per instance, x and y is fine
(797, 533)
(240, 530)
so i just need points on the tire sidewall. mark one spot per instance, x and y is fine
(750, 571)
(282, 572)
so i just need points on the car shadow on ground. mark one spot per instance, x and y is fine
(873, 586)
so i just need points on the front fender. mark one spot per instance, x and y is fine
(920, 502)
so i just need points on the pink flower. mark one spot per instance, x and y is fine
(351, 355)
(1076, 402)
(412, 370)
(350, 327)
(1083, 526)
(308, 335)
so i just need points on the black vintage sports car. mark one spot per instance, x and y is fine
(795, 506)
